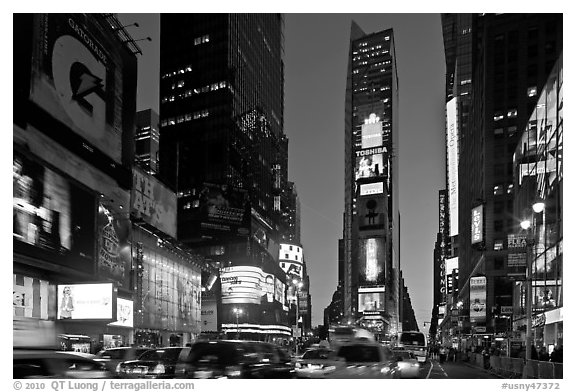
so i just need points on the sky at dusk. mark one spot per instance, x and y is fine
(316, 50)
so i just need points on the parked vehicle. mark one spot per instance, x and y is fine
(113, 356)
(235, 359)
(156, 363)
(364, 360)
(55, 364)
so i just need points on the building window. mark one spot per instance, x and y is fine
(286, 255)
(532, 91)
(512, 113)
(498, 190)
(511, 130)
(283, 265)
(201, 40)
(510, 188)
(290, 247)
(296, 257)
(498, 116)
(498, 131)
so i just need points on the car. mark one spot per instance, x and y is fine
(156, 363)
(364, 360)
(408, 365)
(111, 357)
(235, 359)
(315, 363)
(56, 364)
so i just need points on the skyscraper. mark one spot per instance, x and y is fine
(496, 66)
(224, 151)
(371, 215)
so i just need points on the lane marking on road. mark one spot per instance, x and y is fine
(443, 371)
(431, 366)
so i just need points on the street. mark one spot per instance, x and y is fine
(452, 370)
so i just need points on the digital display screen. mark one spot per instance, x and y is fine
(372, 134)
(477, 224)
(369, 165)
(124, 313)
(242, 284)
(370, 301)
(371, 261)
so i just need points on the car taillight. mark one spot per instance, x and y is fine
(159, 369)
(119, 368)
(385, 369)
(233, 371)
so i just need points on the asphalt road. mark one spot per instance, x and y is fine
(452, 370)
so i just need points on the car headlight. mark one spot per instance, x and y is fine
(159, 369)
(298, 365)
(119, 367)
(385, 369)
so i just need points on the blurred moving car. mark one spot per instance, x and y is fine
(56, 364)
(364, 360)
(235, 359)
(408, 365)
(111, 357)
(315, 363)
(156, 363)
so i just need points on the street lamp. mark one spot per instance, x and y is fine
(528, 225)
(237, 312)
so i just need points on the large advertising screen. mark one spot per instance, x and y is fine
(209, 315)
(84, 78)
(153, 202)
(124, 313)
(241, 284)
(372, 132)
(224, 209)
(371, 299)
(279, 291)
(477, 224)
(114, 248)
(268, 286)
(370, 163)
(478, 299)
(371, 261)
(88, 301)
(52, 213)
(452, 148)
(371, 212)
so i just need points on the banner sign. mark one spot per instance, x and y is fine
(478, 299)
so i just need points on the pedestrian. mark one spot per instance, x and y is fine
(534, 353)
(556, 355)
(543, 355)
(442, 354)
(486, 357)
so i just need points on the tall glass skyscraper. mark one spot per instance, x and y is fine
(371, 215)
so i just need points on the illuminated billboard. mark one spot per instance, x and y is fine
(84, 77)
(222, 208)
(478, 299)
(374, 188)
(89, 301)
(153, 202)
(452, 149)
(279, 291)
(53, 217)
(371, 299)
(268, 286)
(124, 313)
(370, 163)
(371, 261)
(372, 132)
(477, 224)
(241, 284)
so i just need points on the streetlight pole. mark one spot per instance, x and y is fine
(528, 224)
(297, 286)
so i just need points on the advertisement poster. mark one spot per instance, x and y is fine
(241, 284)
(279, 291)
(374, 188)
(372, 132)
(86, 301)
(545, 297)
(153, 202)
(79, 77)
(208, 315)
(52, 213)
(124, 313)
(478, 224)
(371, 261)
(114, 249)
(452, 152)
(478, 299)
(223, 208)
(268, 286)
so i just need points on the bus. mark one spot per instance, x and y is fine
(415, 342)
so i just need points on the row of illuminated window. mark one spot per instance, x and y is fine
(512, 113)
(200, 90)
(185, 117)
(180, 71)
(373, 54)
(202, 40)
(510, 131)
